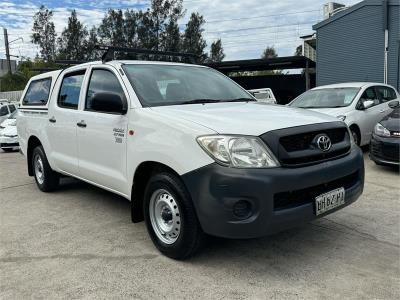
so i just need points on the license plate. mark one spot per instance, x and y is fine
(328, 201)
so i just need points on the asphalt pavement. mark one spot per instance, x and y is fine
(79, 243)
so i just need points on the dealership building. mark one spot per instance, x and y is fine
(360, 43)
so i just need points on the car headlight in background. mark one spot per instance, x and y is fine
(341, 117)
(380, 130)
(238, 151)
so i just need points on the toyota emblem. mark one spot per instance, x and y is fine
(324, 142)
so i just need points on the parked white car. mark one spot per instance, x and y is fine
(6, 109)
(8, 133)
(264, 95)
(193, 151)
(360, 104)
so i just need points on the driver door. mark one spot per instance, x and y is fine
(370, 116)
(102, 135)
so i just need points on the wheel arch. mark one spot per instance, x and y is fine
(33, 142)
(141, 176)
(357, 129)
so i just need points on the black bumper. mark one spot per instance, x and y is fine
(385, 151)
(280, 198)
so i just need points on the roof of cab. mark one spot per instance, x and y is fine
(115, 63)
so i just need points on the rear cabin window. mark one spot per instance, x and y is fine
(70, 90)
(38, 92)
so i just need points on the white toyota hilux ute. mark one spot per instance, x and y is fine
(194, 152)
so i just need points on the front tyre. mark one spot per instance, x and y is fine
(170, 217)
(46, 179)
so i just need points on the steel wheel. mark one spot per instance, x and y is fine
(165, 216)
(39, 169)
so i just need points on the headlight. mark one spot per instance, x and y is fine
(380, 130)
(341, 117)
(13, 123)
(238, 151)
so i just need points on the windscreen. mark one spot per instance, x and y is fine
(326, 98)
(158, 85)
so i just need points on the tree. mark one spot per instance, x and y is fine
(193, 41)
(299, 50)
(72, 42)
(111, 29)
(131, 20)
(90, 45)
(164, 14)
(269, 52)
(217, 51)
(171, 40)
(44, 33)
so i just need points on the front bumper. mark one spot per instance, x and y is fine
(385, 150)
(8, 142)
(280, 198)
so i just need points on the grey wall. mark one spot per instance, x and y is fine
(350, 48)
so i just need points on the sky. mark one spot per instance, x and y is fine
(246, 27)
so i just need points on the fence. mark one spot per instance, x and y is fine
(13, 96)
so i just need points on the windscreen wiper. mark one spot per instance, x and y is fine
(239, 100)
(200, 101)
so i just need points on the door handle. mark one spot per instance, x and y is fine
(81, 124)
(52, 120)
(382, 111)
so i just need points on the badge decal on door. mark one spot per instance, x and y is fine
(119, 133)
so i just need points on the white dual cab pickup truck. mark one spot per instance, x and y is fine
(194, 152)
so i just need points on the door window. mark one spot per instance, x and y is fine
(3, 111)
(370, 95)
(12, 108)
(70, 90)
(102, 81)
(386, 93)
(38, 92)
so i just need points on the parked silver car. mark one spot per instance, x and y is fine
(6, 109)
(360, 104)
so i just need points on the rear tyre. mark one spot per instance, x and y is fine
(170, 217)
(46, 179)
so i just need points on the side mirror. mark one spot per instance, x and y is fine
(368, 103)
(109, 103)
(394, 104)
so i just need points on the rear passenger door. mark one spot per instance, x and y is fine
(63, 116)
(102, 134)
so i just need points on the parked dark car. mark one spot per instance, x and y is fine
(385, 142)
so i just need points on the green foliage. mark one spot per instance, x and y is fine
(193, 41)
(217, 51)
(43, 33)
(73, 40)
(269, 52)
(299, 50)
(111, 29)
(26, 69)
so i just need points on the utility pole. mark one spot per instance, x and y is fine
(7, 46)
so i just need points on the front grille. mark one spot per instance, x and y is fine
(9, 145)
(296, 198)
(296, 146)
(303, 141)
(386, 151)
